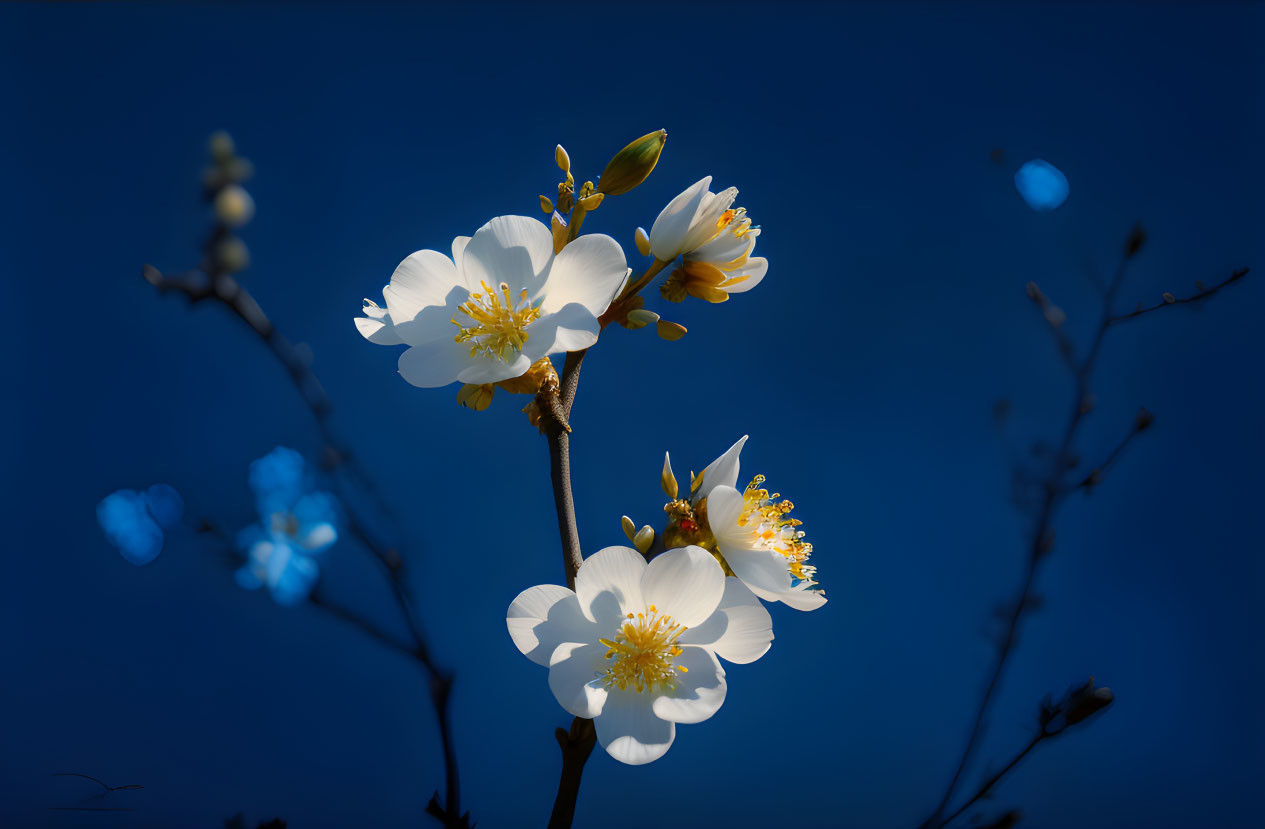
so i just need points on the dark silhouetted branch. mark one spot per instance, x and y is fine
(1169, 300)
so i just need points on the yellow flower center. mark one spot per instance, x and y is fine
(735, 221)
(498, 325)
(771, 527)
(641, 654)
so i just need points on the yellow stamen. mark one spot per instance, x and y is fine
(642, 654)
(498, 324)
(771, 527)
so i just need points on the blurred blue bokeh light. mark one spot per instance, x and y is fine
(1042, 185)
(134, 522)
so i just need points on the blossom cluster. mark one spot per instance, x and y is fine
(635, 646)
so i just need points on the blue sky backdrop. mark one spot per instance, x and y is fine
(864, 368)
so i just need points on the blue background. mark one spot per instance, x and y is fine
(864, 368)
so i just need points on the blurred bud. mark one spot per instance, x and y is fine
(231, 255)
(1169, 297)
(564, 160)
(558, 226)
(1087, 403)
(666, 479)
(1085, 701)
(1137, 238)
(234, 206)
(644, 539)
(1143, 420)
(546, 206)
(221, 146)
(1034, 293)
(1054, 315)
(592, 202)
(630, 529)
(477, 396)
(632, 164)
(643, 241)
(670, 331)
(640, 318)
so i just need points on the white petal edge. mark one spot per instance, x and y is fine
(543, 617)
(741, 630)
(723, 471)
(588, 271)
(667, 234)
(516, 250)
(699, 692)
(629, 730)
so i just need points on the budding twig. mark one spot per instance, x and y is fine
(1170, 300)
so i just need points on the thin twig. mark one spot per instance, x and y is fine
(1199, 295)
(1041, 539)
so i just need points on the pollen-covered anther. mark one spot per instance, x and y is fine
(771, 527)
(498, 323)
(642, 655)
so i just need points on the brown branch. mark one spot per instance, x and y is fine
(554, 401)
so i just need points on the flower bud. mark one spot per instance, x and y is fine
(1133, 244)
(644, 539)
(1143, 420)
(546, 206)
(231, 255)
(234, 206)
(643, 241)
(666, 479)
(221, 146)
(563, 160)
(559, 227)
(670, 331)
(632, 164)
(477, 396)
(592, 202)
(640, 318)
(630, 529)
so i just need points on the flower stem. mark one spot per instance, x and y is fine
(576, 744)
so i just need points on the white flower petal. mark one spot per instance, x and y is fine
(686, 583)
(458, 250)
(609, 585)
(746, 277)
(700, 688)
(668, 231)
(764, 572)
(543, 617)
(705, 225)
(573, 678)
(589, 271)
(740, 631)
(483, 369)
(515, 250)
(425, 278)
(571, 328)
(436, 363)
(724, 506)
(378, 331)
(801, 597)
(722, 250)
(630, 732)
(721, 472)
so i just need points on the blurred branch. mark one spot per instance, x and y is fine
(1078, 705)
(1054, 489)
(213, 279)
(1169, 300)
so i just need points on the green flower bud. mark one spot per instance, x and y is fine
(632, 164)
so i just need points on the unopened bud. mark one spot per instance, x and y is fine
(666, 479)
(1086, 701)
(670, 331)
(231, 255)
(564, 160)
(1143, 420)
(640, 318)
(1055, 316)
(546, 206)
(477, 396)
(592, 202)
(632, 164)
(630, 529)
(643, 241)
(1169, 297)
(221, 146)
(234, 206)
(1137, 238)
(644, 539)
